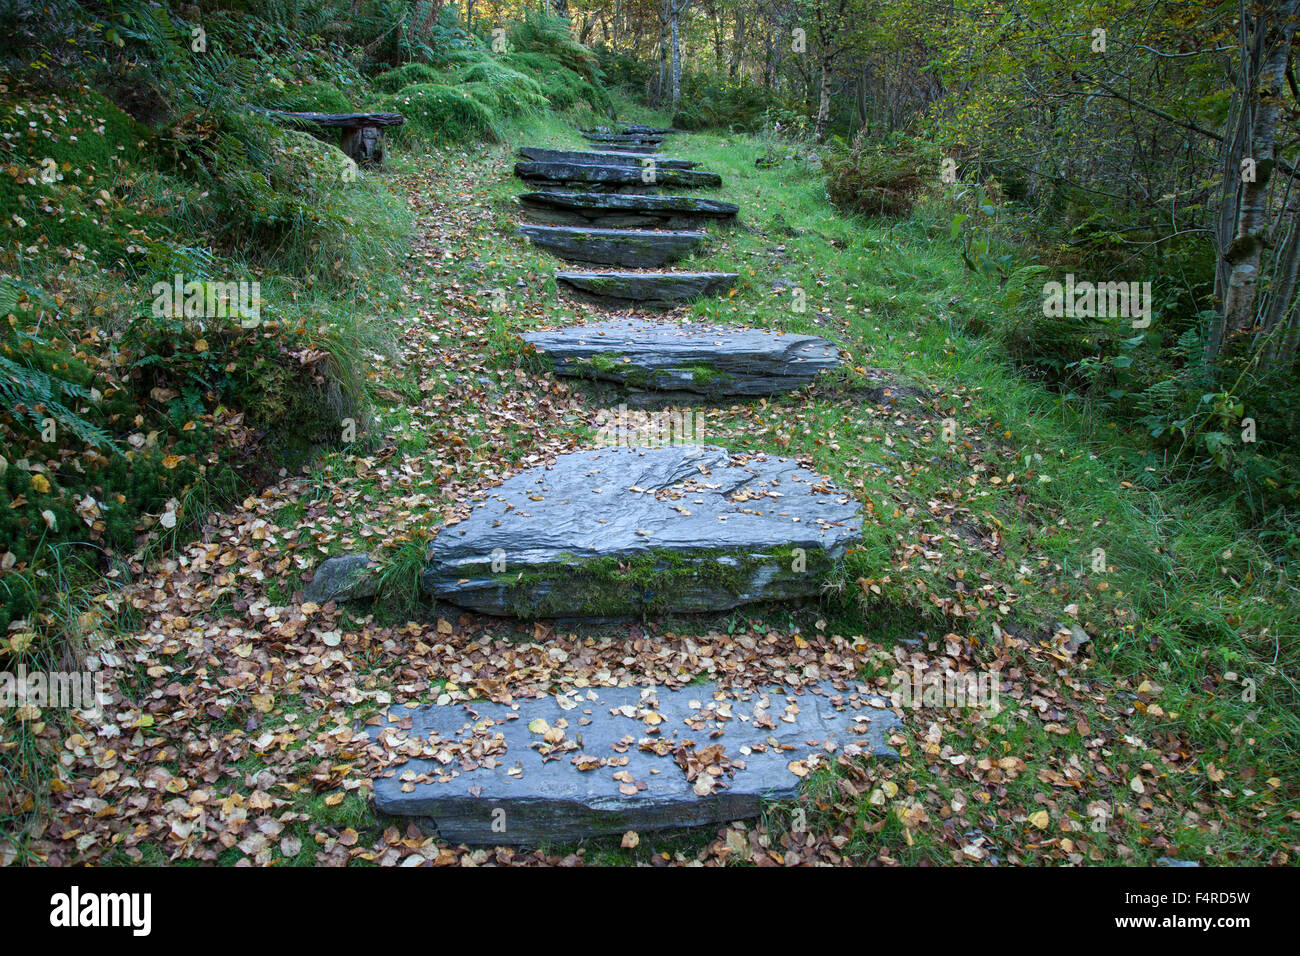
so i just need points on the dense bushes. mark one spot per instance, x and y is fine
(880, 179)
(712, 101)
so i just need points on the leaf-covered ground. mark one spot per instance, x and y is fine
(235, 734)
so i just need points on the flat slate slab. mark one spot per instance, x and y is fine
(636, 139)
(606, 760)
(651, 289)
(622, 209)
(626, 128)
(628, 148)
(691, 357)
(618, 531)
(613, 176)
(631, 248)
(599, 158)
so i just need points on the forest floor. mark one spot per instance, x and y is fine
(1145, 704)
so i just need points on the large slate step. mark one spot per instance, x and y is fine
(661, 290)
(620, 209)
(611, 759)
(617, 531)
(631, 248)
(702, 359)
(599, 158)
(609, 177)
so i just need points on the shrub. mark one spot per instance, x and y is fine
(542, 33)
(711, 100)
(438, 113)
(562, 86)
(880, 179)
(514, 92)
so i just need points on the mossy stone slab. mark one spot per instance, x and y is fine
(622, 209)
(630, 248)
(660, 290)
(613, 177)
(599, 158)
(616, 531)
(684, 356)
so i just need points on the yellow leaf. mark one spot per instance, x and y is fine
(263, 702)
(1039, 819)
(41, 483)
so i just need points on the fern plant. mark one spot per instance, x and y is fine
(29, 390)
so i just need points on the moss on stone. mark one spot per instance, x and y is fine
(651, 582)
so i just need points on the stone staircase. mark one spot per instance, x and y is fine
(652, 521)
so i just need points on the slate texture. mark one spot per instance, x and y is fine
(598, 158)
(663, 290)
(616, 531)
(612, 176)
(345, 577)
(629, 248)
(479, 775)
(690, 357)
(627, 210)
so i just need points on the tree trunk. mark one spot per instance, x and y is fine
(1264, 62)
(823, 101)
(674, 15)
(739, 44)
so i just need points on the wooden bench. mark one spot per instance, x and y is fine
(363, 133)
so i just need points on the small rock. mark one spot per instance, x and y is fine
(342, 578)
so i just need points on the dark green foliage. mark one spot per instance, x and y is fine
(513, 91)
(712, 101)
(549, 35)
(880, 179)
(562, 86)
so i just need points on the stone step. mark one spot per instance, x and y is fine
(633, 128)
(599, 158)
(630, 248)
(661, 290)
(612, 177)
(617, 531)
(606, 760)
(627, 148)
(621, 209)
(710, 360)
(635, 139)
